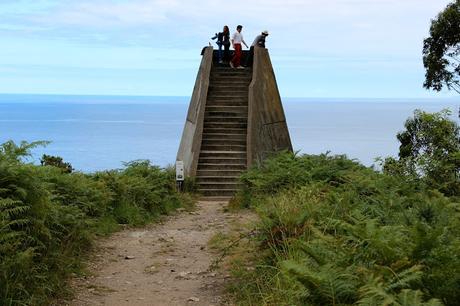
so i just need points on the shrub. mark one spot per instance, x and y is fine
(429, 151)
(337, 233)
(49, 217)
(56, 161)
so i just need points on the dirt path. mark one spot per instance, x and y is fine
(164, 264)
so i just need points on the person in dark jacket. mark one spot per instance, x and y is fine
(223, 40)
(259, 41)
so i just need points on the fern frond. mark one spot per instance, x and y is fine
(333, 285)
(374, 293)
(409, 297)
(406, 278)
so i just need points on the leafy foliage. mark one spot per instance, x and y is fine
(56, 161)
(441, 50)
(48, 218)
(338, 233)
(430, 151)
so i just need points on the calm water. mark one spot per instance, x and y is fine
(97, 133)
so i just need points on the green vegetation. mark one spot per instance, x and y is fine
(333, 232)
(49, 217)
(441, 50)
(429, 152)
(56, 161)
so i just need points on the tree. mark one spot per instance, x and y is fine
(429, 150)
(441, 50)
(56, 161)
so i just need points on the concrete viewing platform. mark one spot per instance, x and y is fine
(235, 120)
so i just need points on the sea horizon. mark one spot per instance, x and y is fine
(96, 132)
(8, 98)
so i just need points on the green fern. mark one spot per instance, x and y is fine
(334, 223)
(331, 286)
(409, 297)
(49, 218)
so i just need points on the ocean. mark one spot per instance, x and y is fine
(102, 132)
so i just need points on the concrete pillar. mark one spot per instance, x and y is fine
(267, 128)
(189, 149)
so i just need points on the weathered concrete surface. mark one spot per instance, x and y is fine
(267, 128)
(189, 149)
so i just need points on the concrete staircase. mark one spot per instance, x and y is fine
(223, 148)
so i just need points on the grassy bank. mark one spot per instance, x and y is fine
(49, 218)
(333, 232)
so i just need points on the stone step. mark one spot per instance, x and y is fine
(228, 68)
(223, 125)
(223, 150)
(229, 89)
(232, 72)
(219, 185)
(229, 71)
(230, 79)
(227, 108)
(217, 154)
(228, 86)
(223, 136)
(233, 114)
(224, 130)
(222, 160)
(211, 142)
(209, 166)
(220, 97)
(220, 179)
(220, 77)
(225, 147)
(228, 96)
(217, 192)
(223, 119)
(215, 102)
(222, 173)
(227, 92)
(228, 83)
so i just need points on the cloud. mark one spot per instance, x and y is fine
(112, 13)
(306, 28)
(129, 13)
(331, 36)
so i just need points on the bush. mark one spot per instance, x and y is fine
(49, 217)
(56, 161)
(332, 232)
(429, 152)
(287, 170)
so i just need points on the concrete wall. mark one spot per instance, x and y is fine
(267, 128)
(189, 149)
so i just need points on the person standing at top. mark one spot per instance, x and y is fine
(259, 41)
(237, 39)
(223, 40)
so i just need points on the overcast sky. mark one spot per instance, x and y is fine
(329, 48)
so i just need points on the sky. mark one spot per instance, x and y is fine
(328, 48)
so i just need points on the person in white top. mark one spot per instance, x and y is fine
(237, 39)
